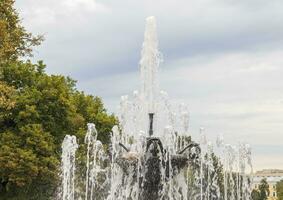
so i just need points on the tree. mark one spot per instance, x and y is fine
(262, 192)
(279, 190)
(44, 108)
(255, 195)
(219, 172)
(36, 111)
(213, 176)
(7, 100)
(15, 41)
(27, 162)
(92, 110)
(263, 189)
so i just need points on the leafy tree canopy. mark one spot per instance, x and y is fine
(263, 189)
(36, 111)
(255, 195)
(15, 41)
(262, 192)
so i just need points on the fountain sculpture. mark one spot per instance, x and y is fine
(149, 128)
(152, 155)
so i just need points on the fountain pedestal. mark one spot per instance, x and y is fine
(157, 167)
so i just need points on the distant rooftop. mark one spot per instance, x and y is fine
(267, 172)
(272, 175)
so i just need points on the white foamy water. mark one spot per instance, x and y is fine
(68, 167)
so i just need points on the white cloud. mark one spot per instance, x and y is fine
(273, 161)
(222, 57)
(42, 13)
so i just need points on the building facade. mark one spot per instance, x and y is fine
(272, 176)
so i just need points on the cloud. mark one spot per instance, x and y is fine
(270, 154)
(98, 35)
(224, 93)
(42, 13)
(222, 57)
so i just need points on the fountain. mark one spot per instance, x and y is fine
(69, 148)
(152, 154)
(151, 130)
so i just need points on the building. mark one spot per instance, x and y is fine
(272, 176)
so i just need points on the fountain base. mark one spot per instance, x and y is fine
(157, 166)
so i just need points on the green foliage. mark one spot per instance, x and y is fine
(279, 190)
(36, 111)
(7, 100)
(219, 172)
(26, 156)
(15, 41)
(45, 108)
(262, 192)
(91, 109)
(215, 174)
(263, 189)
(255, 195)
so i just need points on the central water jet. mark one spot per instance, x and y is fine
(154, 166)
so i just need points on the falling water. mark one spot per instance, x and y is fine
(90, 140)
(170, 123)
(237, 171)
(96, 171)
(69, 147)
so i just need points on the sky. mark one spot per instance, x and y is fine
(224, 58)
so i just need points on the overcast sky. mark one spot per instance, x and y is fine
(224, 58)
